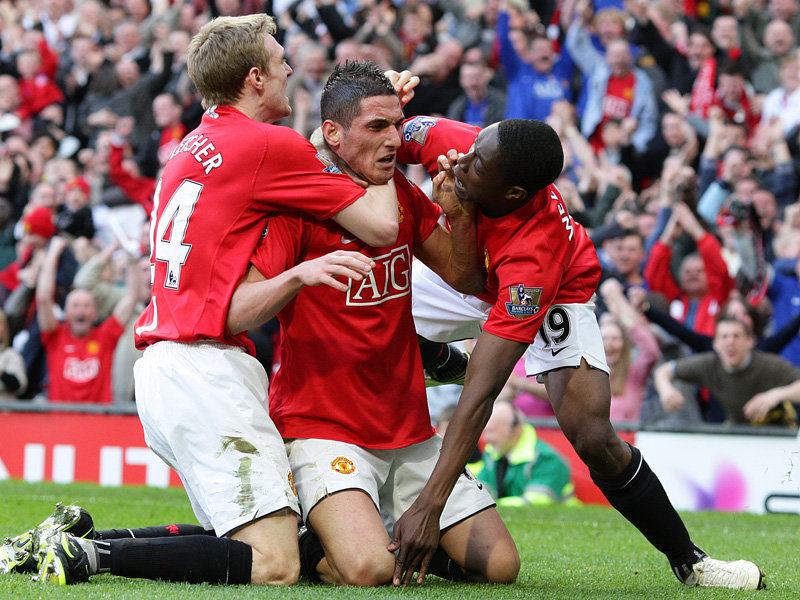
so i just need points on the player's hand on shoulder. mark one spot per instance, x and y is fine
(334, 269)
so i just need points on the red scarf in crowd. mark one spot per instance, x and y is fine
(703, 88)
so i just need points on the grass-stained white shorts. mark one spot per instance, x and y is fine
(392, 478)
(203, 408)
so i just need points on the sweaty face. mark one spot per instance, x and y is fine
(478, 174)
(369, 146)
(275, 104)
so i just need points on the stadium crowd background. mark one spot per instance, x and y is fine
(680, 121)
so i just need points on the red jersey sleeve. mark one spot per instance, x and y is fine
(720, 283)
(527, 287)
(425, 138)
(657, 272)
(281, 246)
(305, 180)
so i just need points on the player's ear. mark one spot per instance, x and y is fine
(255, 78)
(516, 193)
(332, 133)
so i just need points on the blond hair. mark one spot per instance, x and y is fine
(223, 52)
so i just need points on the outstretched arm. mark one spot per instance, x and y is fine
(46, 285)
(416, 533)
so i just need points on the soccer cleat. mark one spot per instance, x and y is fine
(451, 371)
(18, 554)
(65, 559)
(736, 574)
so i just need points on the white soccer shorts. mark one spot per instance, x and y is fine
(392, 478)
(569, 332)
(204, 411)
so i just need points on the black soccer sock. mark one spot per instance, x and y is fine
(445, 567)
(152, 532)
(190, 559)
(639, 496)
(443, 362)
(311, 552)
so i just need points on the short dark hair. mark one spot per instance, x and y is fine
(728, 319)
(347, 85)
(531, 153)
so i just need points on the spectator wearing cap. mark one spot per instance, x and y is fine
(74, 216)
(37, 228)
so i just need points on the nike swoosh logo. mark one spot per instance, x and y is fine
(347, 240)
(557, 351)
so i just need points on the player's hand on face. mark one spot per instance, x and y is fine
(416, 538)
(334, 269)
(404, 84)
(444, 193)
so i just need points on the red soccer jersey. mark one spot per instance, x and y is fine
(210, 209)
(535, 256)
(350, 364)
(79, 369)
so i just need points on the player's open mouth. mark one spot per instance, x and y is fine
(387, 161)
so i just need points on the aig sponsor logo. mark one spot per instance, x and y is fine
(391, 278)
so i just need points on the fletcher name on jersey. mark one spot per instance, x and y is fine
(198, 256)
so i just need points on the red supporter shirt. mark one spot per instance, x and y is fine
(536, 256)
(210, 209)
(79, 368)
(350, 364)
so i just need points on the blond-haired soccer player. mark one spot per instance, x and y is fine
(200, 392)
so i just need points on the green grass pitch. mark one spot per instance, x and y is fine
(586, 552)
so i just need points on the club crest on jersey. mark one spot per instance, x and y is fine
(524, 301)
(343, 465)
(330, 166)
(417, 129)
(212, 112)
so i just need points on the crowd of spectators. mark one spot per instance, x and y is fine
(680, 121)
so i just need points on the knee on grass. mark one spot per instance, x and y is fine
(504, 565)
(283, 570)
(367, 571)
